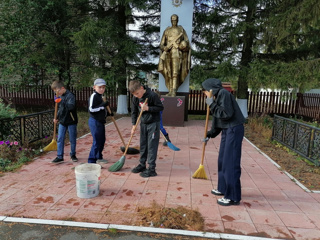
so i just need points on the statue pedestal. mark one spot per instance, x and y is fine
(174, 111)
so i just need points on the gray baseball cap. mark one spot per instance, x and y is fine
(99, 82)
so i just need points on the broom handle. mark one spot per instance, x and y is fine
(112, 118)
(205, 131)
(55, 117)
(164, 136)
(134, 129)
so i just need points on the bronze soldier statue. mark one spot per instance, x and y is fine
(175, 61)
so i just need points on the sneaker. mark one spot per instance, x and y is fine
(216, 192)
(226, 202)
(148, 173)
(74, 158)
(138, 169)
(102, 161)
(57, 160)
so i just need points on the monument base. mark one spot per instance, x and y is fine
(174, 111)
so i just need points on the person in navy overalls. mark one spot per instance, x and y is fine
(228, 120)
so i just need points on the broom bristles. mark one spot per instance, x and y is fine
(200, 173)
(51, 146)
(173, 147)
(118, 165)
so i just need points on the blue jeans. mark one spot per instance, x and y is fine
(72, 129)
(98, 133)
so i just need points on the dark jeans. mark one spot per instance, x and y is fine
(229, 162)
(149, 142)
(98, 132)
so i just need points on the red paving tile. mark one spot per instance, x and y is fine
(272, 204)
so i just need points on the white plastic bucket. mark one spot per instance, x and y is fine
(88, 180)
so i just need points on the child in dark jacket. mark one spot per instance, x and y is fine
(228, 119)
(68, 120)
(97, 119)
(149, 126)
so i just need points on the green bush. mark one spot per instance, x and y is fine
(6, 111)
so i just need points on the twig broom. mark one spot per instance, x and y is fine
(201, 173)
(119, 164)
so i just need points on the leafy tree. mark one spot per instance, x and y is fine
(36, 41)
(111, 49)
(290, 47)
(226, 31)
(257, 44)
(108, 48)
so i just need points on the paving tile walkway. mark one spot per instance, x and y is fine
(273, 205)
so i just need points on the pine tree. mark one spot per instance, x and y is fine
(289, 52)
(257, 44)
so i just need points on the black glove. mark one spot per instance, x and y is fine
(110, 114)
(209, 133)
(167, 137)
(213, 133)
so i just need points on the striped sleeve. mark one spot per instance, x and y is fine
(93, 106)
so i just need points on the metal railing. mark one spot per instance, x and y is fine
(27, 128)
(299, 137)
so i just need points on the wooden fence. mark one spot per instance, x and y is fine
(307, 105)
(43, 96)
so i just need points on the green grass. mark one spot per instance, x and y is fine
(198, 117)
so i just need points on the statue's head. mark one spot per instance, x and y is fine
(174, 19)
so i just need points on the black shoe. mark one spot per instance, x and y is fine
(74, 158)
(57, 160)
(138, 169)
(165, 143)
(216, 192)
(148, 173)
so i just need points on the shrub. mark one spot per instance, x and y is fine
(261, 124)
(6, 111)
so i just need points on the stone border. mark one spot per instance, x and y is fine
(167, 231)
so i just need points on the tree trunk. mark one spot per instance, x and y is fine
(122, 76)
(246, 57)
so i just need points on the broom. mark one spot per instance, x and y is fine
(170, 145)
(53, 145)
(130, 150)
(201, 173)
(119, 164)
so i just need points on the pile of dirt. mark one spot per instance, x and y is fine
(173, 218)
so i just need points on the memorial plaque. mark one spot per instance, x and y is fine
(174, 110)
